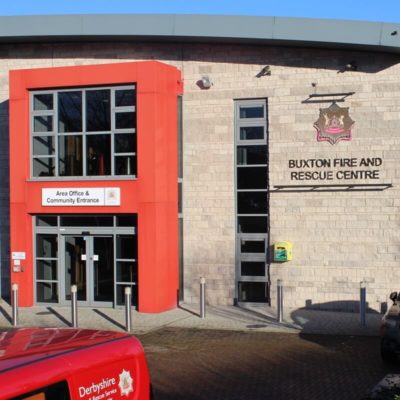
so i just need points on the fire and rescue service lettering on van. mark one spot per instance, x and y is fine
(107, 388)
(81, 197)
(342, 169)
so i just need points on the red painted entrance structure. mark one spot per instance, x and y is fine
(153, 196)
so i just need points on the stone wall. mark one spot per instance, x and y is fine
(339, 237)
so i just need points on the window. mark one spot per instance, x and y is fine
(126, 254)
(65, 246)
(251, 200)
(47, 268)
(88, 132)
(58, 391)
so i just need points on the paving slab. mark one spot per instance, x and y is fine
(260, 318)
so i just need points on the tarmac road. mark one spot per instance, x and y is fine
(196, 364)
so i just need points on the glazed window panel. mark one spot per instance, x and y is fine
(125, 143)
(253, 292)
(126, 247)
(47, 292)
(43, 123)
(98, 157)
(125, 153)
(248, 245)
(252, 224)
(86, 220)
(251, 111)
(126, 220)
(252, 155)
(252, 202)
(43, 102)
(43, 166)
(125, 120)
(70, 155)
(126, 271)
(57, 391)
(125, 165)
(70, 111)
(88, 131)
(252, 268)
(46, 246)
(252, 133)
(252, 178)
(43, 146)
(121, 294)
(98, 110)
(46, 220)
(125, 98)
(46, 270)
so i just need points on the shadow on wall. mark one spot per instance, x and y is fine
(242, 53)
(4, 202)
(351, 306)
(341, 317)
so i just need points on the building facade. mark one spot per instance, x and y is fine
(150, 159)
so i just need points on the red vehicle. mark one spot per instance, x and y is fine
(63, 364)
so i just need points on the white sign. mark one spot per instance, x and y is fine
(18, 255)
(81, 197)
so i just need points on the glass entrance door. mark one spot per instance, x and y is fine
(103, 268)
(97, 253)
(89, 264)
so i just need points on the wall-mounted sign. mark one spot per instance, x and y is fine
(18, 255)
(334, 124)
(341, 169)
(81, 197)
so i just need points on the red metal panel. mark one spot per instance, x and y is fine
(153, 195)
(35, 358)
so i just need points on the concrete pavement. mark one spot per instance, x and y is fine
(256, 318)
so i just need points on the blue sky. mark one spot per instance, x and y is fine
(368, 10)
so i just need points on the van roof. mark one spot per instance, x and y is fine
(23, 346)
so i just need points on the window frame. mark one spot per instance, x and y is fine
(260, 217)
(59, 228)
(56, 134)
(47, 392)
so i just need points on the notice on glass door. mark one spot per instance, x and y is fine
(81, 197)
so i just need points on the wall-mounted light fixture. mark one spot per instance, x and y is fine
(351, 66)
(314, 85)
(394, 33)
(266, 71)
(205, 82)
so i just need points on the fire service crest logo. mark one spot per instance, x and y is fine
(334, 124)
(125, 383)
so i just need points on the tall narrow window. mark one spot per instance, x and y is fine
(47, 289)
(251, 201)
(180, 197)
